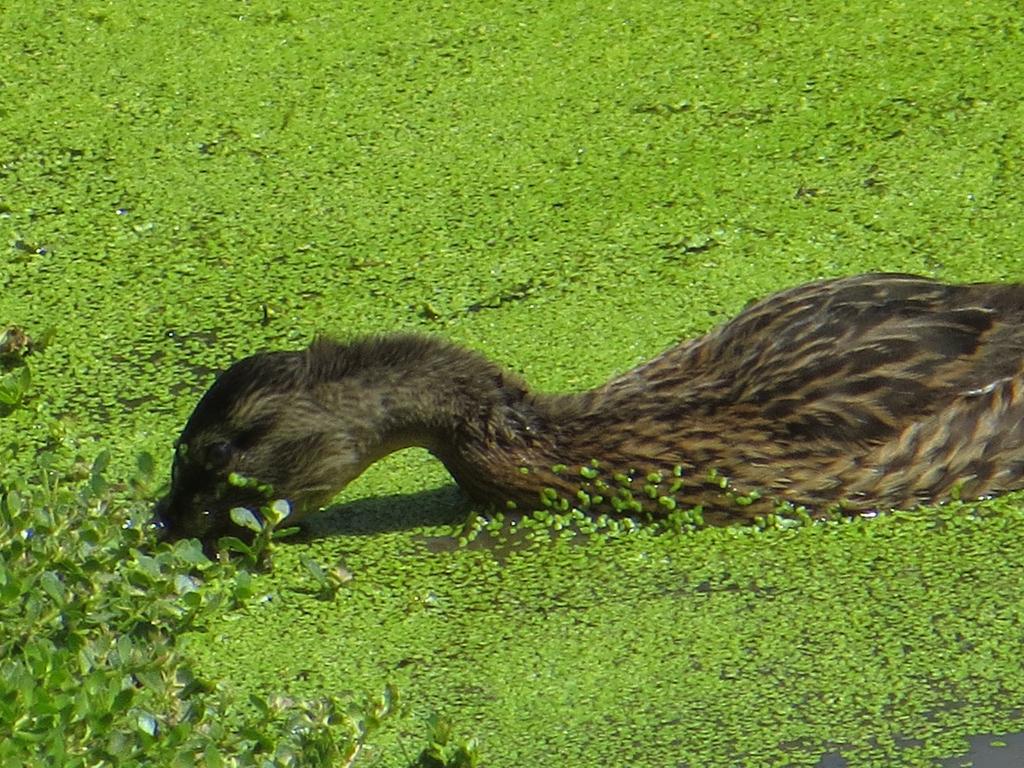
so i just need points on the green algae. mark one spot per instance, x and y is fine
(572, 189)
(884, 638)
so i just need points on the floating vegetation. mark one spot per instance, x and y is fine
(610, 506)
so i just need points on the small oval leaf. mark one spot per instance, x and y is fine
(147, 723)
(53, 586)
(246, 519)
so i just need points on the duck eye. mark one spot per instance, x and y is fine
(218, 454)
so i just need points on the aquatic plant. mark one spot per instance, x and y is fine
(90, 669)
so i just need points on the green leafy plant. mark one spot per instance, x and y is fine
(257, 553)
(14, 385)
(328, 580)
(444, 750)
(143, 484)
(90, 670)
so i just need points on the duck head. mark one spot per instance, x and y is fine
(263, 431)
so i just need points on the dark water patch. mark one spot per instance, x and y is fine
(502, 538)
(986, 751)
(991, 751)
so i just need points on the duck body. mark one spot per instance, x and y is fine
(870, 392)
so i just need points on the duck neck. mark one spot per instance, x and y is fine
(480, 420)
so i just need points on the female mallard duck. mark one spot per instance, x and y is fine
(869, 392)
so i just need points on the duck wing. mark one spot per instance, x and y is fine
(849, 361)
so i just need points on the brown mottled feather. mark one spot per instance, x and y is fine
(873, 392)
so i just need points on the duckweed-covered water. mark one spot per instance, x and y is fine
(883, 639)
(571, 189)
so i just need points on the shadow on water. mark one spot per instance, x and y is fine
(440, 507)
(384, 514)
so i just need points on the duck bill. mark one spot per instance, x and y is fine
(174, 517)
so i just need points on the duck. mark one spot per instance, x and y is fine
(859, 394)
